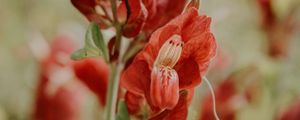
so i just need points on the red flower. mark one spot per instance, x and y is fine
(176, 58)
(64, 104)
(94, 73)
(100, 12)
(268, 15)
(292, 113)
(94, 10)
(59, 96)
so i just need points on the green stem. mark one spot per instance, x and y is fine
(113, 91)
(115, 69)
(114, 10)
(118, 38)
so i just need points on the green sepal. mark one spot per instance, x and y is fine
(99, 40)
(94, 45)
(122, 111)
(85, 53)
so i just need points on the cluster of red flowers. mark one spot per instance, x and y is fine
(230, 97)
(158, 81)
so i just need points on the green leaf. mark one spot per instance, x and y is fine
(94, 45)
(99, 40)
(85, 53)
(88, 38)
(122, 111)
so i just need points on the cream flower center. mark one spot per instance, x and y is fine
(170, 52)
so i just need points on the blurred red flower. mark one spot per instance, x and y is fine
(225, 95)
(58, 95)
(268, 15)
(236, 91)
(94, 73)
(292, 113)
(175, 59)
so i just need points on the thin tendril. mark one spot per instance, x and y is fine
(213, 97)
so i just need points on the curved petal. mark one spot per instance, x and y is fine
(189, 75)
(196, 27)
(164, 11)
(88, 9)
(94, 73)
(133, 102)
(178, 113)
(136, 77)
(185, 19)
(151, 6)
(201, 49)
(136, 19)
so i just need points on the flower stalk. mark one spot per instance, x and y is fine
(113, 91)
(115, 67)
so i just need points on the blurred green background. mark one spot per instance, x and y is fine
(236, 25)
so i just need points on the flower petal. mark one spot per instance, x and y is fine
(164, 87)
(178, 113)
(201, 49)
(133, 102)
(136, 77)
(291, 112)
(189, 75)
(185, 19)
(136, 19)
(161, 12)
(94, 73)
(88, 9)
(196, 27)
